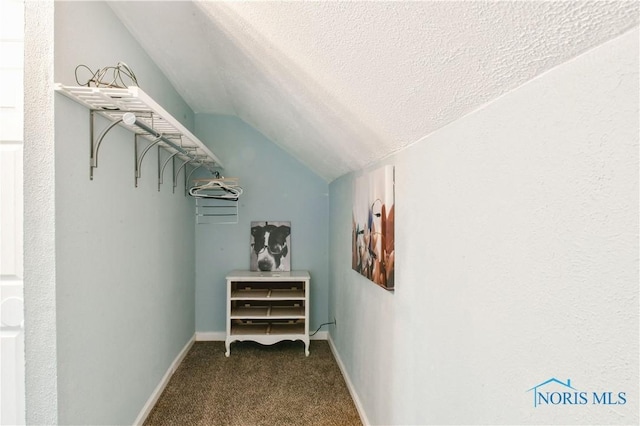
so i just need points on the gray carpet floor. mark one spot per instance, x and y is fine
(256, 385)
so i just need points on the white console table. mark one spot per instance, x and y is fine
(267, 307)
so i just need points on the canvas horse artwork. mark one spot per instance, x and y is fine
(372, 251)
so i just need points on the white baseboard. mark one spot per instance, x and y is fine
(151, 402)
(220, 336)
(320, 335)
(352, 390)
(210, 336)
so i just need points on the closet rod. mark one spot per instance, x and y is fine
(156, 134)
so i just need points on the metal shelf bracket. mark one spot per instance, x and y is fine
(140, 157)
(133, 109)
(94, 144)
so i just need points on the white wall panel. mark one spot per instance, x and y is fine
(516, 259)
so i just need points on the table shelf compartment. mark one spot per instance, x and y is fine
(248, 329)
(267, 307)
(289, 310)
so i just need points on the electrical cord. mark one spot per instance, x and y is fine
(321, 325)
(99, 77)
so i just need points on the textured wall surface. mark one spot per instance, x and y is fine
(516, 258)
(340, 85)
(39, 220)
(125, 259)
(517, 225)
(277, 187)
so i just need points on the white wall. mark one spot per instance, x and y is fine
(124, 256)
(516, 258)
(39, 220)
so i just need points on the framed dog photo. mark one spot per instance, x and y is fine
(270, 246)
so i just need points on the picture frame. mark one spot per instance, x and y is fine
(270, 246)
(373, 244)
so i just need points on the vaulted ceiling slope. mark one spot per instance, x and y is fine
(340, 85)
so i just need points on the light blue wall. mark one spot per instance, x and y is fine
(516, 258)
(276, 188)
(125, 256)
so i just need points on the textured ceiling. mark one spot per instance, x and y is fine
(340, 85)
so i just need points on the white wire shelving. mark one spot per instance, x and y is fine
(133, 109)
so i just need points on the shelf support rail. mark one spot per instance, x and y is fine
(139, 157)
(161, 169)
(177, 172)
(188, 178)
(127, 118)
(130, 119)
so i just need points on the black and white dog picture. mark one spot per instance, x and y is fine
(270, 246)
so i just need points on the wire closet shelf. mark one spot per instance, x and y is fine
(133, 109)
